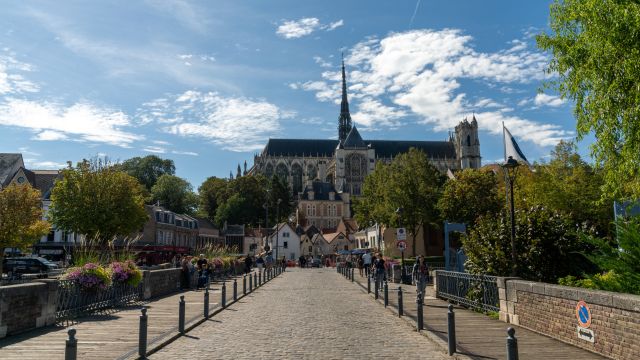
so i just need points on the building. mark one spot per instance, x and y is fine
(253, 240)
(322, 206)
(166, 228)
(344, 163)
(234, 237)
(287, 240)
(208, 234)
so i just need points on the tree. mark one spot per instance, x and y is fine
(148, 169)
(410, 182)
(97, 200)
(279, 189)
(213, 192)
(175, 194)
(21, 221)
(596, 51)
(471, 194)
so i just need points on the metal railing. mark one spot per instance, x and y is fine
(475, 291)
(73, 301)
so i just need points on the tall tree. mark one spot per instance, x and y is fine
(596, 51)
(213, 192)
(21, 221)
(148, 169)
(175, 194)
(279, 189)
(471, 194)
(96, 199)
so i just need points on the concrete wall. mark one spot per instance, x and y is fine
(25, 307)
(551, 310)
(160, 282)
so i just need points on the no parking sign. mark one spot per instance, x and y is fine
(583, 314)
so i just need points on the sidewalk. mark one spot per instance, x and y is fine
(114, 334)
(477, 335)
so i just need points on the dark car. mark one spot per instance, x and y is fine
(27, 265)
(316, 262)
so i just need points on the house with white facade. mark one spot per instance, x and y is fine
(284, 241)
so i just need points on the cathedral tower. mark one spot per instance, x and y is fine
(344, 121)
(467, 144)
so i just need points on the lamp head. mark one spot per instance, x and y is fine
(511, 163)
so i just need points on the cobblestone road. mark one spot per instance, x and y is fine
(304, 314)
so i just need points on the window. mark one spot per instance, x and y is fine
(166, 218)
(285, 244)
(51, 236)
(159, 237)
(468, 140)
(158, 216)
(313, 210)
(308, 209)
(310, 248)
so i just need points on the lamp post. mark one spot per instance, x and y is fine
(277, 223)
(511, 167)
(403, 272)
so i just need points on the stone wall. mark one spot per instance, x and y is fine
(25, 307)
(160, 282)
(551, 310)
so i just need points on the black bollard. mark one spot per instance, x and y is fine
(512, 344)
(181, 315)
(260, 277)
(250, 283)
(244, 284)
(255, 280)
(375, 294)
(400, 305)
(235, 290)
(386, 293)
(451, 330)
(71, 347)
(368, 284)
(420, 319)
(142, 335)
(353, 272)
(206, 303)
(223, 295)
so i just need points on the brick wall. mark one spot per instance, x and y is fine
(25, 307)
(551, 310)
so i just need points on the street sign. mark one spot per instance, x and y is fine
(402, 245)
(583, 314)
(401, 234)
(586, 334)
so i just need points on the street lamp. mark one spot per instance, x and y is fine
(403, 272)
(511, 167)
(277, 224)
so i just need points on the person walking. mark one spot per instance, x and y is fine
(380, 271)
(284, 263)
(268, 260)
(260, 262)
(360, 265)
(247, 264)
(420, 274)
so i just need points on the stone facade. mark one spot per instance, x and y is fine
(551, 310)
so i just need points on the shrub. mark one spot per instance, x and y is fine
(89, 276)
(125, 273)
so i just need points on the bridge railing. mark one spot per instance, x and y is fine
(475, 291)
(73, 301)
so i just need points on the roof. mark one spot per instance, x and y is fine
(332, 236)
(435, 149)
(320, 190)
(354, 140)
(300, 147)
(204, 223)
(9, 165)
(43, 181)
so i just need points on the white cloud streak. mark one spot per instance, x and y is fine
(548, 100)
(293, 29)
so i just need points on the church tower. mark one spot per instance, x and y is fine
(467, 144)
(344, 121)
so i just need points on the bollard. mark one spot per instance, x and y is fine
(368, 284)
(419, 304)
(250, 283)
(260, 277)
(235, 290)
(386, 293)
(206, 303)
(353, 271)
(142, 335)
(255, 280)
(512, 344)
(400, 305)
(71, 348)
(451, 330)
(375, 294)
(181, 315)
(224, 295)
(244, 284)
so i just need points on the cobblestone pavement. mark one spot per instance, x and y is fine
(304, 314)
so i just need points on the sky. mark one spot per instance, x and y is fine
(207, 83)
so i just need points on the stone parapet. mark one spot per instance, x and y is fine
(28, 306)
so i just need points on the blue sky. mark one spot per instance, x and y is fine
(207, 83)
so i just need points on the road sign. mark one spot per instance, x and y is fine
(402, 245)
(583, 314)
(586, 334)
(401, 234)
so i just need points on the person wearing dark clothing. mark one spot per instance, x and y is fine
(247, 264)
(380, 270)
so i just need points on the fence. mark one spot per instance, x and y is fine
(475, 291)
(74, 302)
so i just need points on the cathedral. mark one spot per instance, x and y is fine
(344, 163)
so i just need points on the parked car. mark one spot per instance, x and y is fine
(316, 262)
(28, 265)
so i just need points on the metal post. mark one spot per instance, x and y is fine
(512, 344)
(142, 334)
(181, 315)
(400, 305)
(235, 290)
(375, 294)
(514, 267)
(386, 293)
(369, 284)
(71, 348)
(224, 295)
(352, 274)
(255, 280)
(206, 303)
(244, 284)
(250, 283)
(451, 330)
(419, 304)
(260, 277)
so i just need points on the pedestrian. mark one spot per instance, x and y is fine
(366, 259)
(268, 260)
(247, 264)
(260, 262)
(360, 265)
(420, 274)
(302, 261)
(284, 264)
(380, 270)
(184, 272)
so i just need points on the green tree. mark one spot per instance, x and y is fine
(279, 189)
(21, 221)
(212, 193)
(175, 194)
(148, 169)
(97, 200)
(471, 194)
(596, 51)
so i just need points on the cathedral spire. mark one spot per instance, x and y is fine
(344, 121)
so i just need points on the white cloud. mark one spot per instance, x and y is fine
(293, 29)
(233, 123)
(11, 79)
(320, 61)
(46, 165)
(79, 122)
(154, 149)
(190, 153)
(548, 100)
(421, 72)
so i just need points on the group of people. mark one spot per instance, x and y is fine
(263, 262)
(305, 261)
(374, 265)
